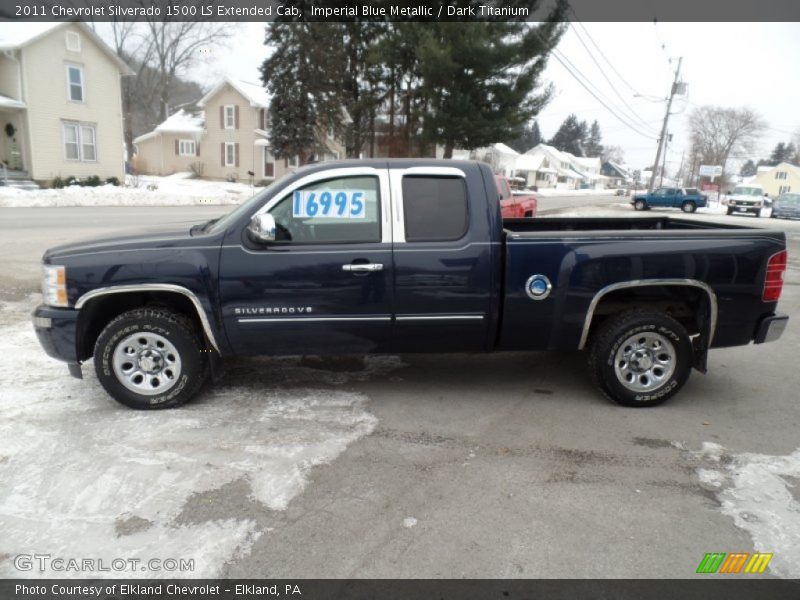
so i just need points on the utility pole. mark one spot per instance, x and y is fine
(662, 139)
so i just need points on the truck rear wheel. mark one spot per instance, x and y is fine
(150, 358)
(688, 207)
(640, 358)
(640, 205)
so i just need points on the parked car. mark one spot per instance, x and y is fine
(399, 256)
(515, 204)
(665, 197)
(748, 199)
(786, 206)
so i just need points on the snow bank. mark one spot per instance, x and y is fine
(175, 190)
(85, 477)
(761, 493)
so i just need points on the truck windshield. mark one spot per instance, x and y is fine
(747, 191)
(249, 206)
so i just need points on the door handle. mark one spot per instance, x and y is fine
(363, 268)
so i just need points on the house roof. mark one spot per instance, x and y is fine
(181, 122)
(253, 92)
(503, 149)
(18, 35)
(528, 162)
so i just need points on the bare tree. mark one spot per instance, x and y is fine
(613, 153)
(717, 133)
(176, 47)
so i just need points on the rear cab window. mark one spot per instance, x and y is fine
(435, 208)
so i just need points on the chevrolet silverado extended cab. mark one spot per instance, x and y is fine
(400, 256)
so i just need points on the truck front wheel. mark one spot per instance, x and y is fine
(640, 358)
(150, 358)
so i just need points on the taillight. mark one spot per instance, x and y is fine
(773, 282)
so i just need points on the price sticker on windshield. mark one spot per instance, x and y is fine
(329, 204)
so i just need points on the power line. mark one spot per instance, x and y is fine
(600, 51)
(631, 113)
(566, 63)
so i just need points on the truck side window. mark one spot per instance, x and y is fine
(435, 208)
(340, 210)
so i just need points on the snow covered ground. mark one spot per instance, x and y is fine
(179, 189)
(761, 493)
(85, 477)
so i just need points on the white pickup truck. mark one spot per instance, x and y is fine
(747, 198)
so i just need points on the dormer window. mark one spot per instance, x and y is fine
(73, 41)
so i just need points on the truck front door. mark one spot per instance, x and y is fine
(325, 284)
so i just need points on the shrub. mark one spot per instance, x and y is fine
(58, 183)
(71, 180)
(112, 180)
(92, 181)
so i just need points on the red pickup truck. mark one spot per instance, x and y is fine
(514, 205)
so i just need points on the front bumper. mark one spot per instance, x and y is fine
(56, 329)
(770, 328)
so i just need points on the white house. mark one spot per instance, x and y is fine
(60, 102)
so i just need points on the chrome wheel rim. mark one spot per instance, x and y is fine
(645, 361)
(146, 363)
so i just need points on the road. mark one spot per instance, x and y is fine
(455, 466)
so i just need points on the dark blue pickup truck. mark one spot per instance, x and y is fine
(402, 256)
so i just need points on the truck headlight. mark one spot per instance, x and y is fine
(54, 285)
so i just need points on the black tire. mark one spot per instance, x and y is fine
(639, 205)
(688, 207)
(621, 328)
(730, 210)
(528, 214)
(179, 331)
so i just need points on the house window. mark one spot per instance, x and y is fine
(80, 142)
(230, 116)
(780, 175)
(73, 41)
(186, 148)
(75, 83)
(230, 154)
(785, 189)
(264, 119)
(331, 132)
(88, 144)
(294, 161)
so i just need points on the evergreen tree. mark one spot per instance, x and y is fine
(530, 138)
(301, 75)
(593, 146)
(481, 79)
(748, 169)
(779, 154)
(570, 136)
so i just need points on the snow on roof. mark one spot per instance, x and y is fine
(17, 35)
(253, 92)
(14, 35)
(183, 122)
(528, 162)
(764, 168)
(503, 149)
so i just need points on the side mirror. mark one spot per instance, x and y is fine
(262, 228)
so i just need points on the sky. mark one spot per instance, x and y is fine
(725, 64)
